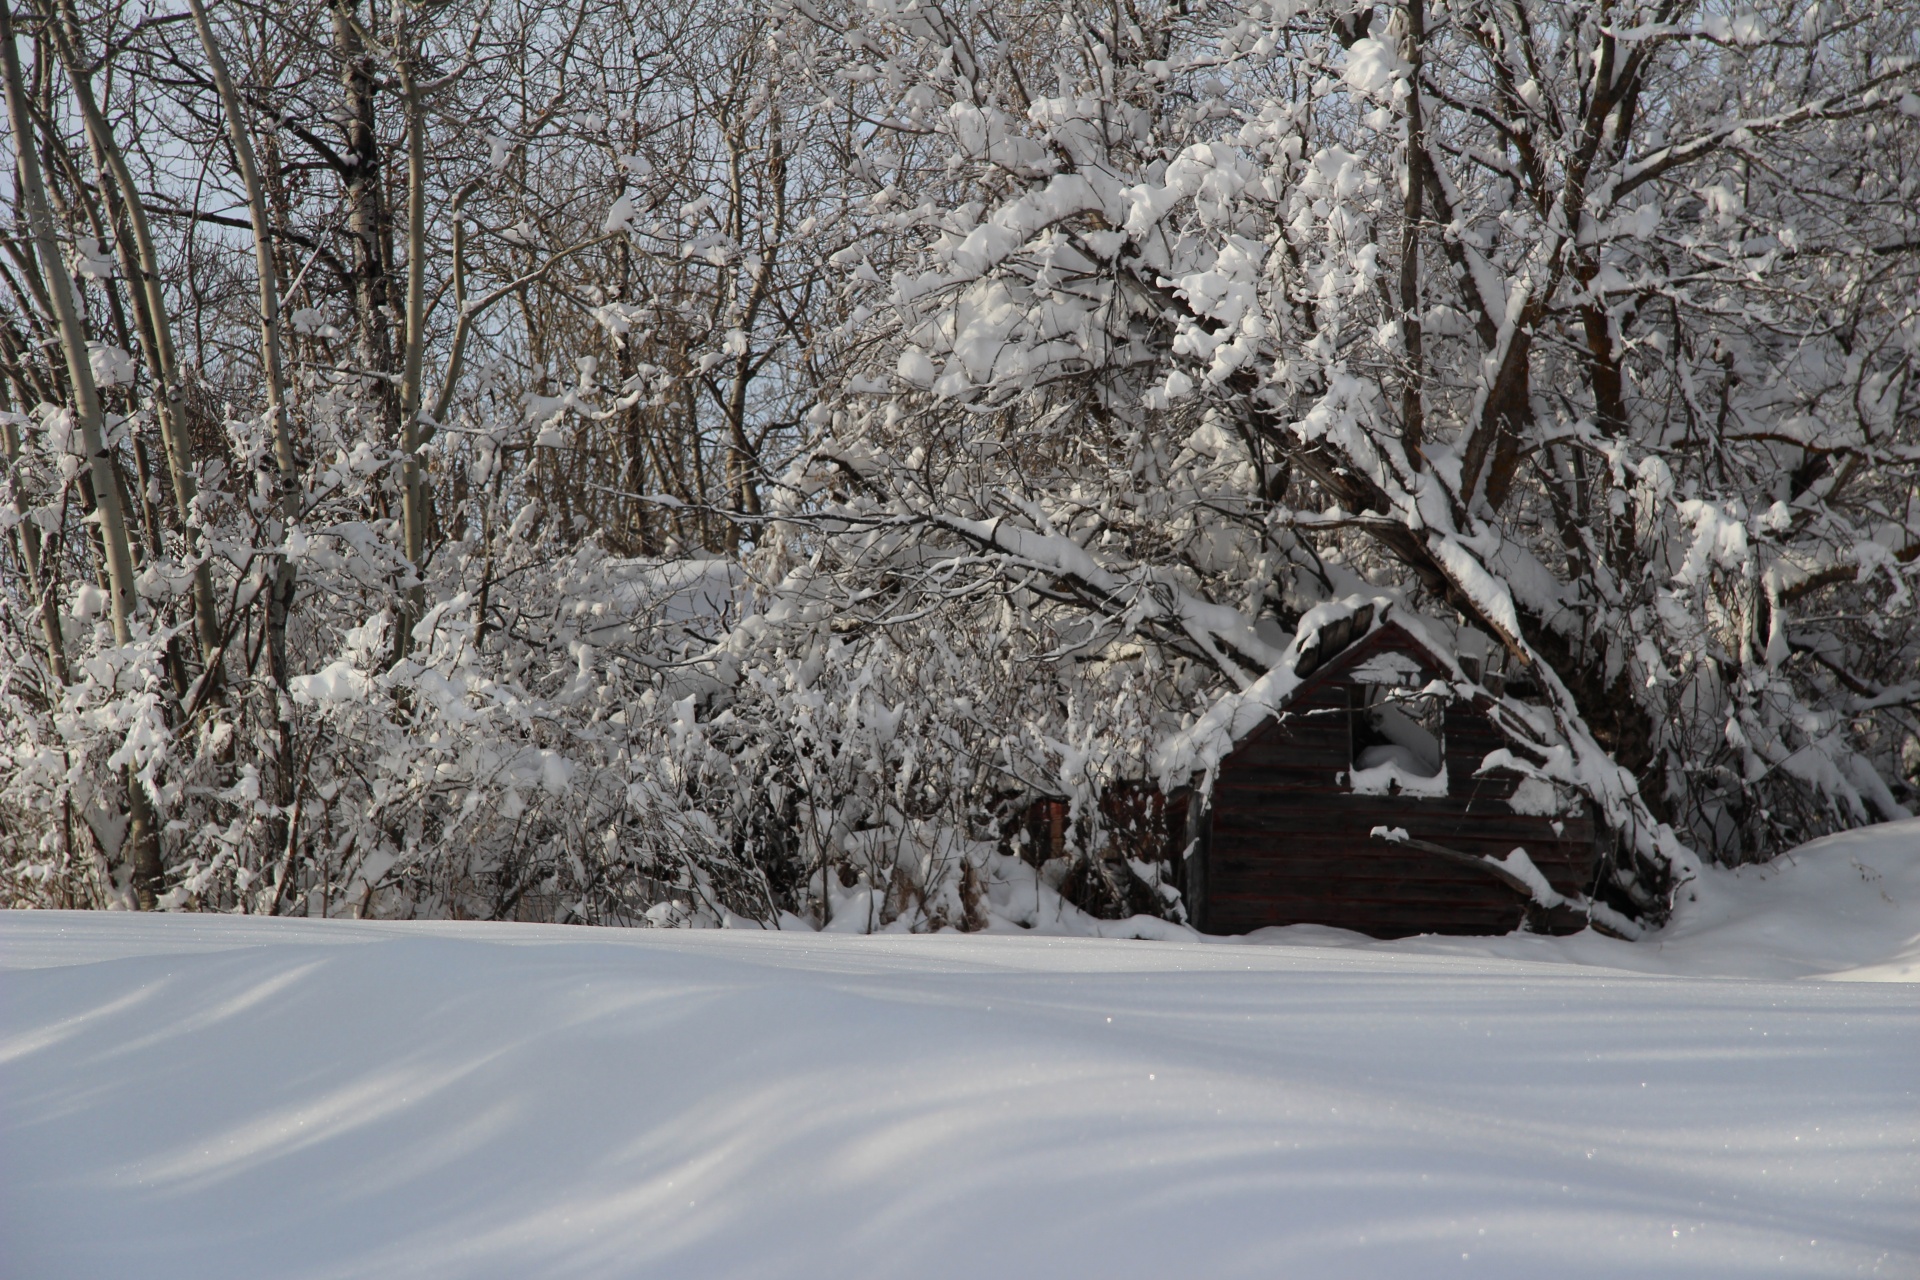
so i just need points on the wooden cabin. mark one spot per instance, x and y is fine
(1378, 728)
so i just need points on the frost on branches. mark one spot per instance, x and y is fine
(1592, 327)
(768, 450)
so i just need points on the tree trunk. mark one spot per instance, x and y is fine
(141, 842)
(281, 573)
(142, 268)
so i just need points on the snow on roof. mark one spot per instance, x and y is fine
(1201, 747)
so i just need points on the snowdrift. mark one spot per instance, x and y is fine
(1845, 907)
(209, 1097)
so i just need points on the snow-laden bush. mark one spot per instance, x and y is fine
(746, 505)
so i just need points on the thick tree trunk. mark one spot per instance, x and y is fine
(368, 221)
(1413, 209)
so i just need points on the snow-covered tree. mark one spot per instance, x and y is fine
(644, 463)
(1593, 325)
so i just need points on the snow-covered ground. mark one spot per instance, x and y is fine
(225, 1097)
(1845, 908)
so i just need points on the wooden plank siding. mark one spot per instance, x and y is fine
(1287, 841)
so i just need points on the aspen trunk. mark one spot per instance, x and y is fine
(272, 365)
(141, 844)
(281, 570)
(413, 497)
(142, 268)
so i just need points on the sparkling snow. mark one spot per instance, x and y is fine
(213, 1097)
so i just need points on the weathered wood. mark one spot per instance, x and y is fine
(1382, 900)
(1399, 895)
(1236, 858)
(1313, 816)
(1377, 923)
(1288, 842)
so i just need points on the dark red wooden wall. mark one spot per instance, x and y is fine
(1288, 843)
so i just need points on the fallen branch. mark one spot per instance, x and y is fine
(1512, 871)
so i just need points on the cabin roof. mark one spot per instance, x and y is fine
(1329, 645)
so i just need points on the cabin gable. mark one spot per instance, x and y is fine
(1382, 733)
